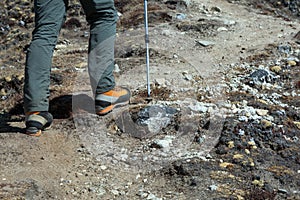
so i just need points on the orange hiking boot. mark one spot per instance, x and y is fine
(37, 121)
(106, 102)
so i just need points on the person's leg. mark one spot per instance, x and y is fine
(49, 17)
(102, 17)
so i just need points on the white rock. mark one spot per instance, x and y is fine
(269, 118)
(117, 68)
(180, 16)
(294, 93)
(241, 132)
(205, 43)
(153, 197)
(166, 32)
(115, 192)
(160, 81)
(229, 22)
(262, 112)
(164, 143)
(220, 29)
(198, 107)
(243, 118)
(213, 187)
(188, 77)
(155, 124)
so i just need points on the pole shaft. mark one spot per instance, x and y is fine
(147, 46)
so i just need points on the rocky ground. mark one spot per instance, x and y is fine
(223, 119)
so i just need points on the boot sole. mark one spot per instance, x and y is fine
(38, 133)
(111, 107)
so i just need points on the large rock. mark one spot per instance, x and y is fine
(148, 121)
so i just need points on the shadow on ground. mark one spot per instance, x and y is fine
(61, 107)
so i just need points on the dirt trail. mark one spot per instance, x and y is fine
(88, 158)
(247, 32)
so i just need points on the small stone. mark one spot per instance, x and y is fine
(3, 92)
(297, 124)
(260, 76)
(215, 8)
(86, 34)
(115, 192)
(282, 191)
(266, 123)
(143, 194)
(213, 187)
(284, 49)
(295, 139)
(220, 29)
(247, 151)
(188, 77)
(180, 16)
(262, 101)
(262, 112)
(82, 65)
(103, 167)
(117, 69)
(238, 156)
(100, 191)
(8, 79)
(166, 32)
(153, 197)
(20, 77)
(259, 183)
(226, 165)
(241, 132)
(208, 156)
(163, 143)
(228, 22)
(230, 144)
(292, 63)
(198, 107)
(243, 118)
(160, 82)
(201, 139)
(276, 69)
(138, 176)
(205, 43)
(21, 23)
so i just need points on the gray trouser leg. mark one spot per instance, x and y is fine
(102, 17)
(49, 17)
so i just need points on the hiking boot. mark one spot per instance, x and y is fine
(105, 102)
(37, 121)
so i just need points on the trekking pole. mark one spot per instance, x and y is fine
(147, 45)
